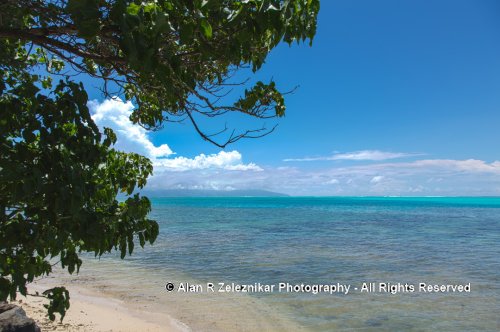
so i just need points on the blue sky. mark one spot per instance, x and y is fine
(395, 98)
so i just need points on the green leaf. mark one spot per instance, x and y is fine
(133, 9)
(206, 28)
(59, 302)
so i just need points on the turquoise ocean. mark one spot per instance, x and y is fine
(329, 241)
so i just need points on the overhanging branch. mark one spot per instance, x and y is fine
(45, 41)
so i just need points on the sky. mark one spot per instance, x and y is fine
(393, 98)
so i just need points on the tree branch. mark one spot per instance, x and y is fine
(43, 41)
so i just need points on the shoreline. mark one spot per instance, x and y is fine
(104, 298)
(95, 312)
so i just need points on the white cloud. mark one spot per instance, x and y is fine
(223, 160)
(243, 167)
(469, 165)
(376, 179)
(417, 189)
(374, 155)
(114, 114)
(371, 155)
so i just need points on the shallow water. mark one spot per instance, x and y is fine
(323, 241)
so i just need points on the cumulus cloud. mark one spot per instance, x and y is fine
(114, 113)
(223, 160)
(369, 155)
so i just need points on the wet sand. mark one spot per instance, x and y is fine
(100, 302)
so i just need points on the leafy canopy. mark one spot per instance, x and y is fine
(60, 176)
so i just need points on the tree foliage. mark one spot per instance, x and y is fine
(59, 175)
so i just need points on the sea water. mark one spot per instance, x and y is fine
(379, 247)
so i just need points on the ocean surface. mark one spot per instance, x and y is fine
(320, 241)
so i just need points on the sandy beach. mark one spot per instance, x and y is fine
(95, 312)
(103, 303)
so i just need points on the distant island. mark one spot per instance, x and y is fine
(211, 193)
